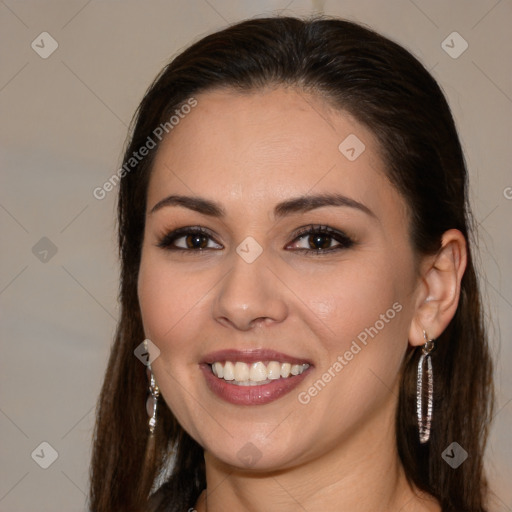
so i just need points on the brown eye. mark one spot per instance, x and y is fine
(190, 239)
(320, 240)
(196, 241)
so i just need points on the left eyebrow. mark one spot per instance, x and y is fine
(309, 202)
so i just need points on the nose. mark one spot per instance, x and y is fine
(249, 296)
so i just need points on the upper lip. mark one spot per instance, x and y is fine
(252, 356)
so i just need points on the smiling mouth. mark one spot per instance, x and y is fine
(258, 373)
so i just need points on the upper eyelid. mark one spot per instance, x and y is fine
(176, 234)
(304, 230)
(327, 230)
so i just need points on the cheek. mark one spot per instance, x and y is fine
(167, 298)
(155, 297)
(345, 302)
(361, 319)
(170, 304)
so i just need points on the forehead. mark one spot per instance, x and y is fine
(264, 146)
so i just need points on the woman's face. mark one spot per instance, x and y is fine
(302, 264)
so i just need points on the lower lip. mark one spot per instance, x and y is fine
(251, 395)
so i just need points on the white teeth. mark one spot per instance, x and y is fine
(229, 371)
(273, 370)
(258, 372)
(218, 370)
(241, 371)
(244, 374)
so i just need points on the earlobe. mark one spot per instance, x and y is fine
(440, 283)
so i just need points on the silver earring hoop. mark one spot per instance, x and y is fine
(425, 422)
(153, 394)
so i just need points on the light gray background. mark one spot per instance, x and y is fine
(63, 123)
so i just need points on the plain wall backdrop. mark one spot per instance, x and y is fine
(64, 116)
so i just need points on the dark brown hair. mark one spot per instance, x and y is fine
(384, 87)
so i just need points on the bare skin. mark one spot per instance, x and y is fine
(330, 450)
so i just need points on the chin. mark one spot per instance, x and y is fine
(254, 457)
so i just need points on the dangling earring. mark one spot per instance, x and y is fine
(424, 423)
(154, 393)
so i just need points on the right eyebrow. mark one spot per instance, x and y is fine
(198, 204)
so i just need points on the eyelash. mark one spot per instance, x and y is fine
(166, 241)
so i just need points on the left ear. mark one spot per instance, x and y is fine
(439, 288)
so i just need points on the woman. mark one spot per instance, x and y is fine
(295, 244)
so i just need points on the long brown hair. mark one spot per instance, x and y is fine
(384, 87)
